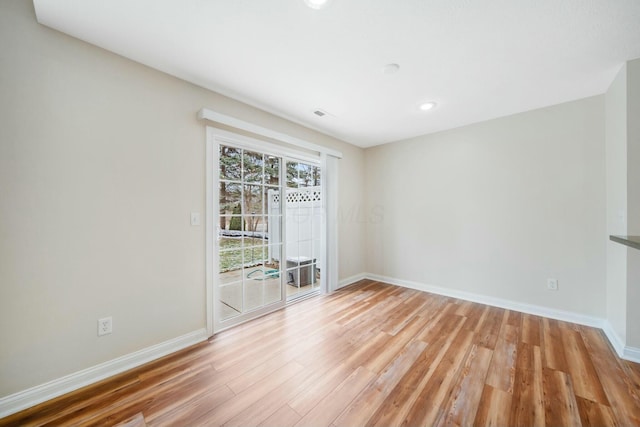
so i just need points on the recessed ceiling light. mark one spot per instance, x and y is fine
(390, 68)
(317, 4)
(428, 106)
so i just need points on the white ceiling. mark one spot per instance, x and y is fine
(477, 59)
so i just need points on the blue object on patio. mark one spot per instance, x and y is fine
(268, 274)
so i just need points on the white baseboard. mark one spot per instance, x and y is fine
(616, 342)
(624, 352)
(537, 310)
(632, 354)
(351, 280)
(41, 393)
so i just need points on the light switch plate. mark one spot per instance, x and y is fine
(195, 218)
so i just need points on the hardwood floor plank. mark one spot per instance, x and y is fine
(428, 406)
(48, 412)
(560, 404)
(328, 409)
(595, 414)
(126, 402)
(585, 379)
(531, 329)
(394, 410)
(283, 417)
(372, 351)
(623, 393)
(363, 406)
(461, 409)
(553, 346)
(378, 361)
(244, 400)
(465, 308)
(261, 371)
(514, 318)
(307, 399)
(177, 396)
(475, 314)
(136, 421)
(633, 372)
(326, 375)
(438, 326)
(175, 364)
(479, 324)
(509, 333)
(502, 370)
(267, 405)
(487, 334)
(189, 412)
(494, 408)
(398, 320)
(527, 405)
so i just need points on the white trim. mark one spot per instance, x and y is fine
(351, 280)
(223, 325)
(41, 393)
(246, 142)
(616, 341)
(566, 316)
(625, 352)
(330, 188)
(214, 116)
(632, 354)
(211, 159)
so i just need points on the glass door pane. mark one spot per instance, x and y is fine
(303, 219)
(249, 248)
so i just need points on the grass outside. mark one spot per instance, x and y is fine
(231, 251)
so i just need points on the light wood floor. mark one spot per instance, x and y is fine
(371, 354)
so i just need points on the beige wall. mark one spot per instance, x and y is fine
(497, 207)
(101, 162)
(616, 176)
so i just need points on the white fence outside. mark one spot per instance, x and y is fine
(304, 217)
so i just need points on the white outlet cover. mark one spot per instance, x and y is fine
(552, 284)
(105, 326)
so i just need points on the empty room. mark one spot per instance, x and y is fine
(319, 213)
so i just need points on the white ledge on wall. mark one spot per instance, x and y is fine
(214, 116)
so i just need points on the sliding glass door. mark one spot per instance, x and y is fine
(267, 227)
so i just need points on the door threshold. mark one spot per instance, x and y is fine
(297, 298)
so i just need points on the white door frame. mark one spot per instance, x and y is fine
(215, 137)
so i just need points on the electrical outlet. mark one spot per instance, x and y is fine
(105, 326)
(552, 284)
